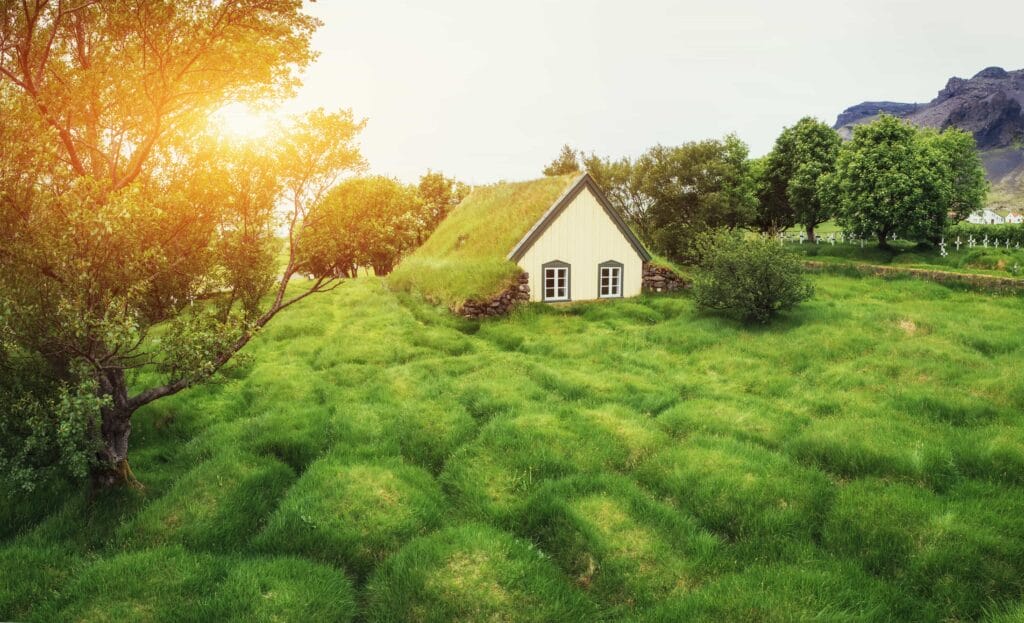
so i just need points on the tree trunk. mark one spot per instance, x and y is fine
(810, 233)
(883, 240)
(112, 467)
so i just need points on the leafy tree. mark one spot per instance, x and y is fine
(802, 155)
(565, 163)
(968, 187)
(751, 279)
(365, 221)
(893, 179)
(119, 212)
(694, 188)
(439, 195)
(621, 182)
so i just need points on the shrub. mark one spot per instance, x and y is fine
(473, 573)
(751, 279)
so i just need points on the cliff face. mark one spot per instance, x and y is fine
(989, 105)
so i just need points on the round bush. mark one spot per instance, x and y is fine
(751, 279)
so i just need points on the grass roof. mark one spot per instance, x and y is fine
(465, 258)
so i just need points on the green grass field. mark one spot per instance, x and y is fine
(376, 459)
(999, 262)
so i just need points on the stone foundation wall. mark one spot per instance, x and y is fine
(662, 279)
(518, 292)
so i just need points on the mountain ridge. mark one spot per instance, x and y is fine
(989, 105)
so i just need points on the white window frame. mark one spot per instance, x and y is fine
(560, 290)
(611, 271)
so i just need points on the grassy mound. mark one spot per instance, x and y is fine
(617, 543)
(810, 591)
(492, 476)
(464, 259)
(354, 513)
(964, 553)
(217, 506)
(169, 584)
(473, 573)
(739, 489)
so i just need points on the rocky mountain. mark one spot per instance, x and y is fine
(988, 105)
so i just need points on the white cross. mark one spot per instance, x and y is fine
(957, 243)
(985, 241)
(942, 248)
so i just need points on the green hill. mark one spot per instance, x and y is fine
(377, 458)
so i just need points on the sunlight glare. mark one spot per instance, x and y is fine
(241, 121)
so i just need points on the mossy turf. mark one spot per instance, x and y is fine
(465, 258)
(375, 458)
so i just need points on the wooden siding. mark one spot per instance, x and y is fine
(583, 236)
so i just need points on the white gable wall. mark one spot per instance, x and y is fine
(583, 236)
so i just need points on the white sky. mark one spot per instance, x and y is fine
(491, 90)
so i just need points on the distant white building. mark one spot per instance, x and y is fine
(986, 217)
(1014, 218)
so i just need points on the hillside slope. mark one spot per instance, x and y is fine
(989, 105)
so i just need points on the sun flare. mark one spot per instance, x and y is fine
(242, 121)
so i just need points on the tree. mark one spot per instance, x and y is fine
(893, 179)
(802, 155)
(565, 163)
(119, 212)
(366, 221)
(694, 188)
(751, 279)
(968, 187)
(439, 195)
(621, 182)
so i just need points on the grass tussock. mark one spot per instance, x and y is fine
(473, 573)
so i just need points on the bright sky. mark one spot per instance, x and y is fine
(491, 90)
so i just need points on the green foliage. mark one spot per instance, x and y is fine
(473, 573)
(622, 180)
(751, 279)
(803, 154)
(565, 163)
(895, 179)
(694, 188)
(48, 429)
(364, 221)
(122, 206)
(439, 195)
